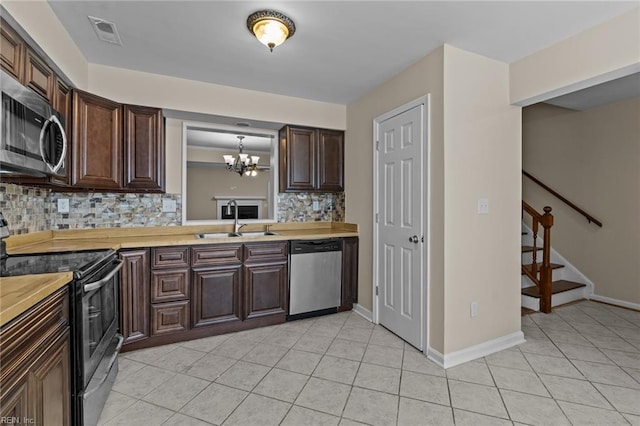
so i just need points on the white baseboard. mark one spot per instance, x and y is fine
(363, 312)
(475, 351)
(617, 302)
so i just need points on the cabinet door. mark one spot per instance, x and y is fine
(50, 385)
(330, 160)
(62, 104)
(349, 273)
(97, 142)
(14, 401)
(11, 51)
(167, 318)
(38, 76)
(134, 295)
(265, 290)
(143, 148)
(215, 295)
(297, 159)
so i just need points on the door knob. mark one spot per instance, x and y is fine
(413, 239)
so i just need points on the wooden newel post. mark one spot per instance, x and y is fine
(545, 269)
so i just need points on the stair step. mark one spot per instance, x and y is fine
(559, 286)
(553, 266)
(528, 249)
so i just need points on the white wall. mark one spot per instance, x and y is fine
(37, 18)
(602, 53)
(203, 183)
(474, 153)
(482, 159)
(592, 158)
(423, 77)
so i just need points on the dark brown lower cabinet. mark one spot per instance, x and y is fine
(171, 294)
(134, 295)
(265, 290)
(35, 384)
(349, 273)
(216, 295)
(169, 317)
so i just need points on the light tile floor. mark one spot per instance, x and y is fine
(580, 365)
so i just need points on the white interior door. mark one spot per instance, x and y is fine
(400, 223)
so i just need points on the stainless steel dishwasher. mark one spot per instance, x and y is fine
(315, 278)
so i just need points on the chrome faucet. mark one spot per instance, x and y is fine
(236, 225)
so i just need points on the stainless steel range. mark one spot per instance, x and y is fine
(95, 340)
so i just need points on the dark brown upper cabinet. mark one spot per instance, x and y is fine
(38, 76)
(330, 160)
(143, 148)
(116, 147)
(11, 51)
(62, 103)
(97, 142)
(311, 160)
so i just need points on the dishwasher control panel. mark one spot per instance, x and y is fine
(315, 246)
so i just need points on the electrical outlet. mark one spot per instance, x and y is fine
(483, 206)
(316, 205)
(474, 309)
(168, 205)
(63, 205)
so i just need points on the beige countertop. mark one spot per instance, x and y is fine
(123, 238)
(17, 294)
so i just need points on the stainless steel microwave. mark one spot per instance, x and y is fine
(33, 137)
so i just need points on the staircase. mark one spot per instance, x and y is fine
(548, 280)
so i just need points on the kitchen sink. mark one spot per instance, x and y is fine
(239, 234)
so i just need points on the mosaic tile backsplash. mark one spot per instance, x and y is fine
(29, 209)
(309, 207)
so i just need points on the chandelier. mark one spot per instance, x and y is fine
(242, 164)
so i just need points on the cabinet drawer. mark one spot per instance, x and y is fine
(223, 254)
(167, 318)
(258, 252)
(169, 285)
(170, 257)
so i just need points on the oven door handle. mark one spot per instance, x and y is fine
(88, 392)
(97, 284)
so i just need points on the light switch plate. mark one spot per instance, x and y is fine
(483, 206)
(63, 205)
(168, 206)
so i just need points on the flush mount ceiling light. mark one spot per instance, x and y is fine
(242, 163)
(271, 28)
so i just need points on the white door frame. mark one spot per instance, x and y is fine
(426, 126)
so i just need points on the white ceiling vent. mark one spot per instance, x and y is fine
(106, 30)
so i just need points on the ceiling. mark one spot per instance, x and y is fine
(206, 137)
(341, 49)
(601, 94)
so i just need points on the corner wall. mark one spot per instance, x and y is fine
(482, 160)
(424, 77)
(592, 158)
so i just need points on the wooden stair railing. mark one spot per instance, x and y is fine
(589, 218)
(543, 281)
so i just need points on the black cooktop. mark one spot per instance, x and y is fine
(79, 262)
